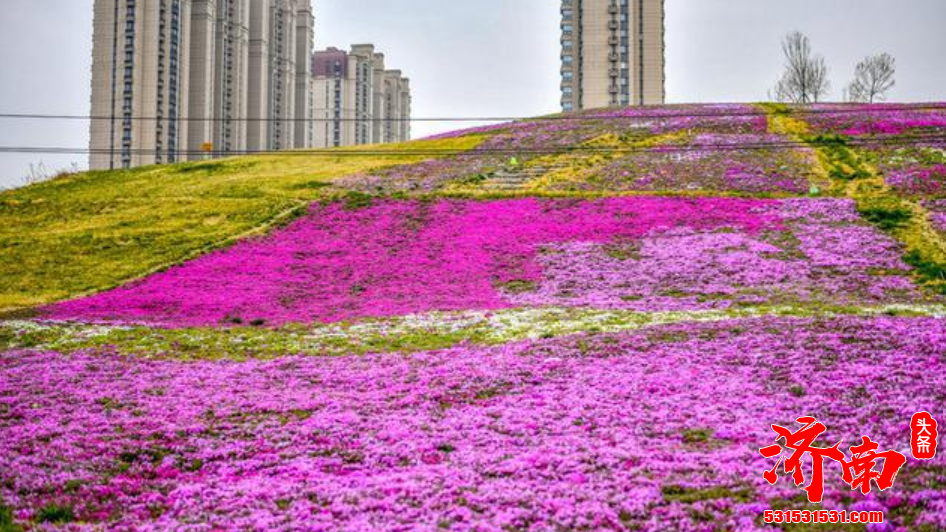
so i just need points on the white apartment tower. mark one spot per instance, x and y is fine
(140, 82)
(281, 35)
(357, 100)
(231, 73)
(180, 80)
(304, 108)
(612, 53)
(219, 57)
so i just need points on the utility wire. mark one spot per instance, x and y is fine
(560, 150)
(582, 116)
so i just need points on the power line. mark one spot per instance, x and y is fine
(592, 115)
(560, 150)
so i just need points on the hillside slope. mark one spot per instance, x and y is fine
(92, 231)
(582, 322)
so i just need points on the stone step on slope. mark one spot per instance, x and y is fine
(514, 178)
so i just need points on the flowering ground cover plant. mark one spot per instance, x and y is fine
(937, 211)
(905, 143)
(536, 435)
(918, 171)
(408, 257)
(724, 119)
(879, 120)
(67, 237)
(714, 162)
(519, 142)
(575, 323)
(672, 149)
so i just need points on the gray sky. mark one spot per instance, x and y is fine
(492, 57)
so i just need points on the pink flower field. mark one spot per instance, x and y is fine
(585, 323)
(397, 258)
(653, 431)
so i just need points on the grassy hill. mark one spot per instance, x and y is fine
(88, 232)
(85, 233)
(581, 322)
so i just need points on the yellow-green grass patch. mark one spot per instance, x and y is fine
(92, 231)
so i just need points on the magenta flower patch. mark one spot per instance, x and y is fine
(712, 162)
(928, 181)
(652, 431)
(398, 258)
(877, 120)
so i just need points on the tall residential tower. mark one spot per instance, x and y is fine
(140, 69)
(612, 53)
(280, 48)
(358, 101)
(177, 80)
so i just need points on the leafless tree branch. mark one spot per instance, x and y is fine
(874, 77)
(805, 79)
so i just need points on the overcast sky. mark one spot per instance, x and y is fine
(491, 57)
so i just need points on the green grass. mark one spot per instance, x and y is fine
(92, 231)
(931, 272)
(244, 341)
(56, 514)
(680, 494)
(887, 216)
(6, 521)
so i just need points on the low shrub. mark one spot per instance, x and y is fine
(886, 216)
(928, 270)
(55, 514)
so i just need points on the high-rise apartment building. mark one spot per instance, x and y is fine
(230, 75)
(280, 49)
(612, 53)
(357, 100)
(180, 80)
(304, 134)
(140, 70)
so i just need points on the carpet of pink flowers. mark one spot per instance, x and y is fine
(653, 426)
(703, 155)
(880, 120)
(713, 161)
(657, 430)
(937, 210)
(906, 141)
(404, 257)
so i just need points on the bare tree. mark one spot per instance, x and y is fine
(806, 75)
(873, 79)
